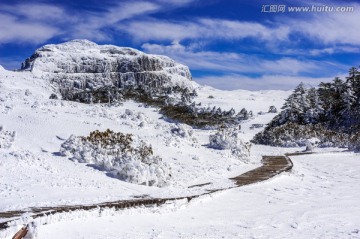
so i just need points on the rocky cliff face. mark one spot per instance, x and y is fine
(81, 65)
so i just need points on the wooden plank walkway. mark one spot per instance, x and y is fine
(271, 166)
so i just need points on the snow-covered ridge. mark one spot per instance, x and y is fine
(82, 64)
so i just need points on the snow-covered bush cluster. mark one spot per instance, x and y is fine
(226, 138)
(355, 143)
(6, 138)
(203, 117)
(123, 155)
(296, 135)
(138, 117)
(311, 144)
(182, 130)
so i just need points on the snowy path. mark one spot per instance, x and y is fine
(272, 166)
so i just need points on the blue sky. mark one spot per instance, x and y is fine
(227, 44)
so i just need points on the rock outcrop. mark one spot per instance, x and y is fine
(80, 66)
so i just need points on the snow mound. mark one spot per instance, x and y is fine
(123, 155)
(138, 117)
(6, 138)
(80, 65)
(229, 139)
(1, 68)
(182, 130)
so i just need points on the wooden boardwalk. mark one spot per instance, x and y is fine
(272, 166)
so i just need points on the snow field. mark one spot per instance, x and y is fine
(33, 164)
(316, 200)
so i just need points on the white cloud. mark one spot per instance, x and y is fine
(37, 23)
(231, 62)
(202, 28)
(36, 11)
(14, 30)
(265, 82)
(91, 26)
(327, 29)
(331, 27)
(124, 11)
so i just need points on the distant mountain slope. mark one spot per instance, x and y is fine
(330, 113)
(80, 65)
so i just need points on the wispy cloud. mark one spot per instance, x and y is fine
(202, 28)
(265, 82)
(13, 29)
(324, 30)
(232, 62)
(36, 23)
(36, 11)
(330, 28)
(92, 26)
(234, 68)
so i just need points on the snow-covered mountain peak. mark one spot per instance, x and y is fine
(83, 46)
(81, 64)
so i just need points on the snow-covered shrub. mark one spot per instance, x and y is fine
(230, 139)
(138, 117)
(311, 144)
(295, 135)
(125, 156)
(355, 143)
(199, 117)
(53, 97)
(6, 138)
(182, 130)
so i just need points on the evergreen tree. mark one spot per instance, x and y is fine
(296, 105)
(243, 114)
(354, 80)
(315, 110)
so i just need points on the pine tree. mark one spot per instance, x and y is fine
(348, 101)
(326, 97)
(243, 114)
(354, 80)
(296, 105)
(315, 110)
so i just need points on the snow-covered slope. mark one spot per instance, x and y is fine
(81, 64)
(316, 200)
(32, 164)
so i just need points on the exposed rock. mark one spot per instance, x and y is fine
(53, 97)
(80, 65)
(272, 109)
